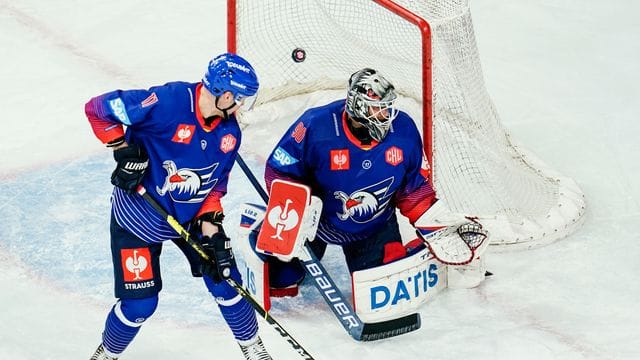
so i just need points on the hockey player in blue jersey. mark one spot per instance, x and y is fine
(364, 159)
(180, 143)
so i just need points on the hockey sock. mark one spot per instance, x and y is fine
(237, 312)
(124, 322)
(240, 317)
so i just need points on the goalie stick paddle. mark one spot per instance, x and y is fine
(238, 288)
(343, 310)
(332, 295)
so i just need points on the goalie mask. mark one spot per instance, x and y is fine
(370, 101)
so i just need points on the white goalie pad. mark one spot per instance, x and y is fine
(292, 218)
(251, 215)
(467, 276)
(396, 289)
(254, 270)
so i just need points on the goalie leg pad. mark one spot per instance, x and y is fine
(467, 276)
(254, 268)
(396, 289)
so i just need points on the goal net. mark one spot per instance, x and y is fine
(427, 49)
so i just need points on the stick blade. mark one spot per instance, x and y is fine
(390, 328)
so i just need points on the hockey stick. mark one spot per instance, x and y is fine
(332, 295)
(343, 310)
(252, 179)
(241, 291)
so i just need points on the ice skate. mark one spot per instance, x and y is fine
(255, 350)
(101, 354)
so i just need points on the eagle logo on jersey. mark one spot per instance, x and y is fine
(365, 204)
(187, 185)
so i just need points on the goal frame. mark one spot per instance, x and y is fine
(427, 76)
(477, 168)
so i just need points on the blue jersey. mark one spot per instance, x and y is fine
(187, 161)
(360, 186)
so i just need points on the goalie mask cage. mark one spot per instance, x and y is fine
(427, 49)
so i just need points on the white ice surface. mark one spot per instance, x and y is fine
(563, 74)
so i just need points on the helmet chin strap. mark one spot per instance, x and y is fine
(225, 115)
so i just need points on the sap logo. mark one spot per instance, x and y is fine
(119, 110)
(406, 289)
(283, 158)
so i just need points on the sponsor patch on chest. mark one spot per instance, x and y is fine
(184, 133)
(340, 159)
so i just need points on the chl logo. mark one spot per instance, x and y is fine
(136, 264)
(228, 143)
(393, 155)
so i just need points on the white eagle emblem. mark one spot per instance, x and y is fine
(187, 185)
(365, 204)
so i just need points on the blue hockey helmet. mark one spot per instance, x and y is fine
(231, 72)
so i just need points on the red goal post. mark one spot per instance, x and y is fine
(427, 49)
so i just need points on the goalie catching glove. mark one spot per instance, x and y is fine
(453, 239)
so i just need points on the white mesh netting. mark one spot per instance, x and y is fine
(477, 168)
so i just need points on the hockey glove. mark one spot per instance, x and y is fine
(214, 217)
(221, 259)
(475, 236)
(132, 162)
(452, 238)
